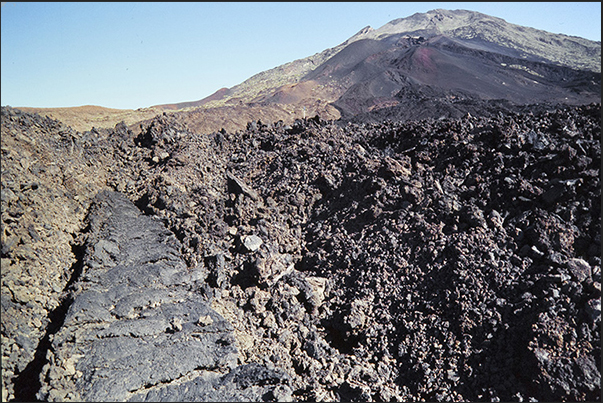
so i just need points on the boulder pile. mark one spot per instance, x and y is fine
(447, 260)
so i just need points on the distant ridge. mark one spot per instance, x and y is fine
(221, 93)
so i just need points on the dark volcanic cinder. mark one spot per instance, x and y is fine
(452, 259)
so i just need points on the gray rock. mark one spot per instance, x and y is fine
(252, 242)
(244, 383)
(205, 320)
(593, 308)
(241, 187)
(271, 267)
(133, 330)
(317, 289)
(217, 276)
(579, 268)
(176, 324)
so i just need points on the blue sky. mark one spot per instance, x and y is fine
(133, 55)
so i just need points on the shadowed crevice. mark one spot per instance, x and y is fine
(27, 383)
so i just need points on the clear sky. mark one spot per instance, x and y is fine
(133, 55)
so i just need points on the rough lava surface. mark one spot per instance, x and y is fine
(456, 259)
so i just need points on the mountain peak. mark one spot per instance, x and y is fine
(510, 39)
(435, 22)
(365, 30)
(321, 79)
(362, 34)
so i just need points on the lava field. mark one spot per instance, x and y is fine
(456, 259)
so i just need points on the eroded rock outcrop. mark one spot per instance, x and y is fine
(138, 328)
(50, 173)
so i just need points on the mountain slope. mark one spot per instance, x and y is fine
(454, 71)
(222, 92)
(471, 29)
(444, 60)
(455, 57)
(83, 118)
(496, 35)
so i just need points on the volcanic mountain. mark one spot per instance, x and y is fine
(446, 56)
(443, 63)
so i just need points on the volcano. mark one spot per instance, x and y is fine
(451, 58)
(442, 63)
